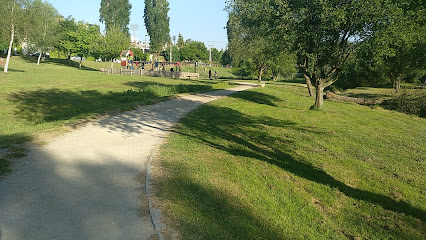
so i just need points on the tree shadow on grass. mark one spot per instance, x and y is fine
(7, 140)
(12, 70)
(257, 97)
(60, 62)
(70, 63)
(224, 215)
(245, 137)
(55, 104)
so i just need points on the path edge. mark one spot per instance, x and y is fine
(154, 213)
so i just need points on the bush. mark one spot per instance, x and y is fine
(411, 102)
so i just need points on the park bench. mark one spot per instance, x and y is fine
(193, 76)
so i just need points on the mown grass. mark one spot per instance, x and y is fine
(222, 73)
(38, 101)
(260, 165)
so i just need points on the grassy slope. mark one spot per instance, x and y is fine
(36, 100)
(260, 165)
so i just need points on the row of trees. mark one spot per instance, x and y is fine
(38, 27)
(323, 36)
(191, 50)
(37, 24)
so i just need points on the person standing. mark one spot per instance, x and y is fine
(210, 74)
(1, 60)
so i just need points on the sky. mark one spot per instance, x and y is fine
(200, 20)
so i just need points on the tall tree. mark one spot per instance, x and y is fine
(249, 39)
(115, 13)
(157, 23)
(181, 41)
(12, 14)
(44, 21)
(65, 42)
(400, 48)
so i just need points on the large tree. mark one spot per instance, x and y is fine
(44, 22)
(157, 23)
(115, 41)
(65, 41)
(115, 13)
(328, 32)
(400, 48)
(84, 39)
(250, 40)
(194, 51)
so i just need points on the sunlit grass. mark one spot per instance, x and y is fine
(261, 165)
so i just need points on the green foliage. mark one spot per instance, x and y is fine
(65, 41)
(114, 42)
(175, 51)
(397, 52)
(410, 102)
(193, 51)
(181, 41)
(42, 34)
(226, 58)
(157, 23)
(115, 13)
(216, 55)
(139, 54)
(84, 39)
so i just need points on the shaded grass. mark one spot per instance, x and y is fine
(260, 165)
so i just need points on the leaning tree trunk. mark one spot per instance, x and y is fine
(309, 84)
(12, 35)
(39, 58)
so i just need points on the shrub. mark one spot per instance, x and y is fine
(411, 102)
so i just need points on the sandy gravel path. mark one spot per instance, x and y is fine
(89, 183)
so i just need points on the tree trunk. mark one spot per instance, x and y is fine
(39, 58)
(12, 35)
(276, 77)
(319, 97)
(261, 70)
(398, 84)
(309, 84)
(81, 62)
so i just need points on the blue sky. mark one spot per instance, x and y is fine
(199, 20)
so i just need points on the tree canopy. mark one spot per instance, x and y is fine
(44, 23)
(157, 23)
(322, 33)
(115, 13)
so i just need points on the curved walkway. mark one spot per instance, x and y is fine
(89, 183)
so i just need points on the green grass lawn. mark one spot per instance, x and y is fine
(261, 165)
(38, 101)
